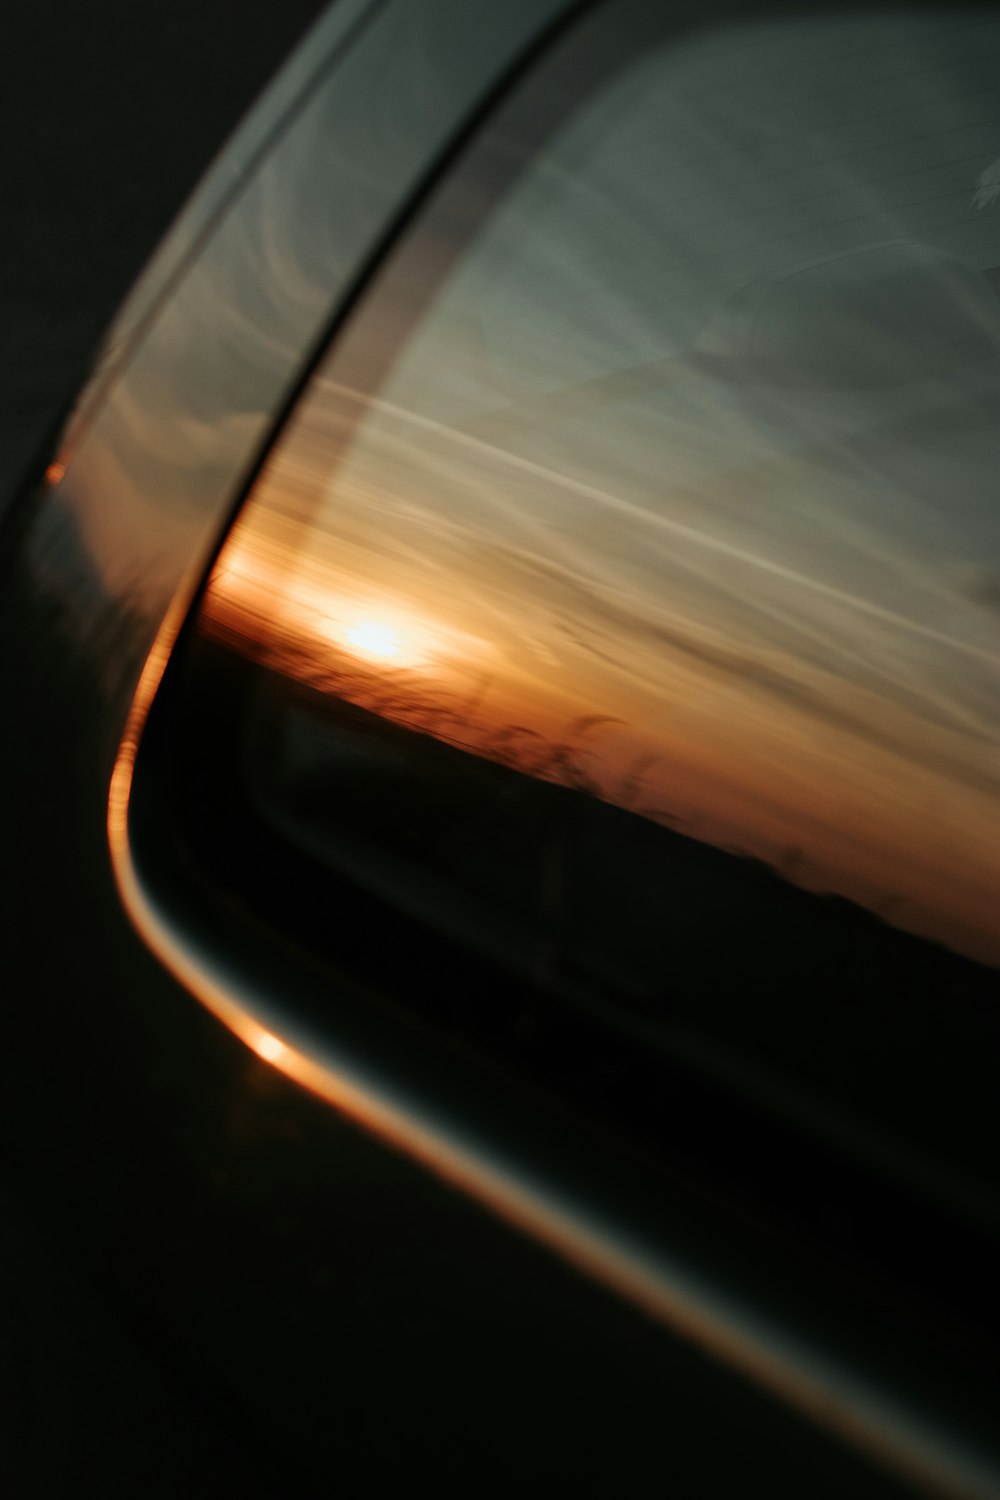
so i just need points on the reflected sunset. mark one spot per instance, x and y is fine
(792, 755)
(377, 640)
(725, 558)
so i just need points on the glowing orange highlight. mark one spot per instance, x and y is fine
(376, 639)
(269, 1047)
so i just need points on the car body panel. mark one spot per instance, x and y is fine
(112, 556)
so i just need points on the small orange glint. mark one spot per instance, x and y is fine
(54, 472)
(268, 1047)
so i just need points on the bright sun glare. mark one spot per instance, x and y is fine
(375, 639)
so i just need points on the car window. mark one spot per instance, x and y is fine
(639, 535)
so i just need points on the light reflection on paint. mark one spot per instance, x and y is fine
(268, 1047)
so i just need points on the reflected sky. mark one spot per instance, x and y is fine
(692, 457)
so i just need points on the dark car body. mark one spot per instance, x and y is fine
(385, 1255)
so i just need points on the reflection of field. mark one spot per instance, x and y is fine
(845, 831)
(467, 715)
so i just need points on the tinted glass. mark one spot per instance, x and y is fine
(632, 563)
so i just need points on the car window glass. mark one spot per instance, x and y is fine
(646, 507)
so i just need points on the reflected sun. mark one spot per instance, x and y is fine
(375, 639)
